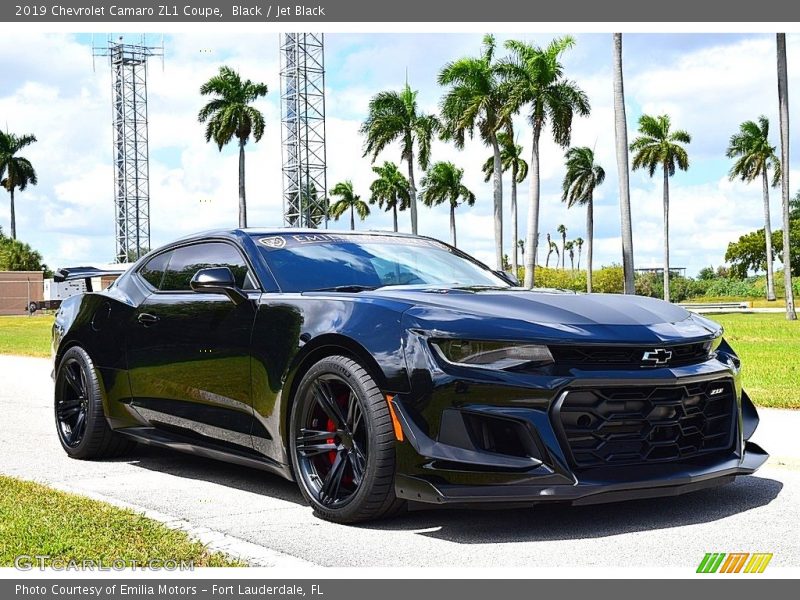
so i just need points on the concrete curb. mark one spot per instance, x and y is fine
(216, 541)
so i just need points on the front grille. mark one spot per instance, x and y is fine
(625, 425)
(601, 356)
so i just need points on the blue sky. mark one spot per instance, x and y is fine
(707, 83)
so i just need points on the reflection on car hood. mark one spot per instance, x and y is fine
(545, 307)
(516, 313)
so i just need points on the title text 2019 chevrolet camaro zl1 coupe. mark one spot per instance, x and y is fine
(381, 369)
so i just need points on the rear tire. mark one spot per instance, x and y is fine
(342, 444)
(81, 424)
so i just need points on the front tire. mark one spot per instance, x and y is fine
(81, 424)
(342, 444)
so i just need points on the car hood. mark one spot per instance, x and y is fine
(517, 311)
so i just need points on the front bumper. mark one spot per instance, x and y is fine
(680, 480)
(436, 465)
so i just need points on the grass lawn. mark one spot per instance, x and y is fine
(766, 343)
(38, 520)
(28, 336)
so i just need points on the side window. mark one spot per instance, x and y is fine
(186, 261)
(153, 270)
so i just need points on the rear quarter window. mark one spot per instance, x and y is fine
(153, 270)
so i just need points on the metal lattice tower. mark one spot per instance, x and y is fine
(305, 188)
(130, 143)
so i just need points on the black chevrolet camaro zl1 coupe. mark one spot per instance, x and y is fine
(379, 369)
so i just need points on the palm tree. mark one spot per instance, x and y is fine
(552, 247)
(476, 99)
(443, 183)
(658, 146)
(536, 79)
(16, 172)
(755, 156)
(348, 200)
(390, 189)
(395, 116)
(563, 231)
(783, 113)
(229, 113)
(570, 247)
(623, 173)
(549, 250)
(582, 177)
(510, 158)
(579, 246)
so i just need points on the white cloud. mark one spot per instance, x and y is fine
(708, 86)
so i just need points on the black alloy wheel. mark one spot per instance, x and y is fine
(81, 423)
(71, 402)
(332, 444)
(342, 443)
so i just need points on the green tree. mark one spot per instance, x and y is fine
(755, 156)
(562, 229)
(582, 177)
(579, 245)
(395, 116)
(783, 120)
(536, 79)
(348, 201)
(660, 146)
(475, 99)
(748, 253)
(794, 207)
(390, 190)
(443, 183)
(510, 158)
(18, 256)
(551, 247)
(706, 274)
(623, 172)
(570, 247)
(16, 172)
(230, 113)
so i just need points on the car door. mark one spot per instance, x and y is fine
(189, 352)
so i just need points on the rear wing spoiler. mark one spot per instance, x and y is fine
(85, 273)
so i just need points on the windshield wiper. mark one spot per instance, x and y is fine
(347, 288)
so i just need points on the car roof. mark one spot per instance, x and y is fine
(259, 231)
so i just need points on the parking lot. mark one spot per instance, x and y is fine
(755, 514)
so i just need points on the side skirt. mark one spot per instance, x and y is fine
(155, 437)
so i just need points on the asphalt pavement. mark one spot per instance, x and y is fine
(262, 517)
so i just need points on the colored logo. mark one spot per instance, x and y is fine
(734, 562)
(659, 356)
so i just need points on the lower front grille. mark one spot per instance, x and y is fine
(628, 425)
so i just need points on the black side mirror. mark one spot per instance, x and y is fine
(507, 277)
(217, 280)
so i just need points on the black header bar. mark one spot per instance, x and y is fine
(524, 12)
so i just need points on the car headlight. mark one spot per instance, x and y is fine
(493, 355)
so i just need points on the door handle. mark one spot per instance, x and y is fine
(147, 319)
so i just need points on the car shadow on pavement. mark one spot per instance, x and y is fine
(564, 522)
(230, 475)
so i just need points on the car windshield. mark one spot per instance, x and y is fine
(307, 262)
